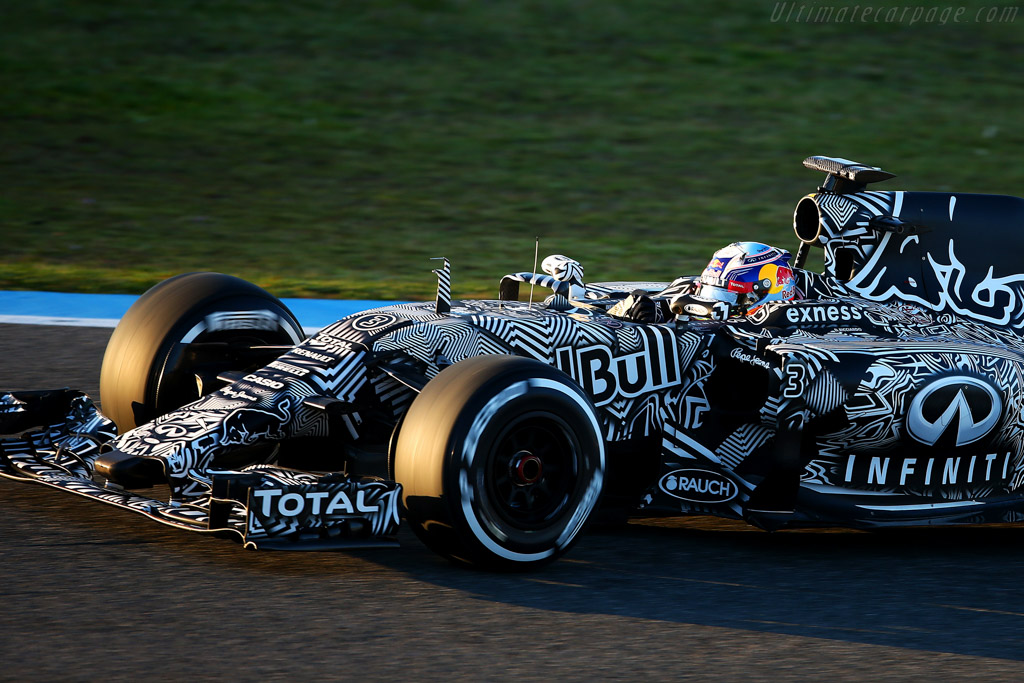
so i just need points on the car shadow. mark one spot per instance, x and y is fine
(955, 590)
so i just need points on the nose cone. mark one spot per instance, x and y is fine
(130, 471)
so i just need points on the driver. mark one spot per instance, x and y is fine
(738, 281)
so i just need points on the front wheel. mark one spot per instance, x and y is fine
(150, 366)
(501, 462)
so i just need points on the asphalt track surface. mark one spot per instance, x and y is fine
(89, 592)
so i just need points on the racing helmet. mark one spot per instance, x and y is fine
(746, 276)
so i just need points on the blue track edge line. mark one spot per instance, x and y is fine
(103, 310)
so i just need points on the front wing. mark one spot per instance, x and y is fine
(265, 507)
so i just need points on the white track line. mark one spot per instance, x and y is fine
(89, 322)
(52, 320)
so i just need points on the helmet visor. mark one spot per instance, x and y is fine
(712, 293)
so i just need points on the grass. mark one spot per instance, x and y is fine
(329, 149)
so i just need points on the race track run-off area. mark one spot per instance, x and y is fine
(93, 592)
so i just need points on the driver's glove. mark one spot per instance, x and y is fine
(641, 308)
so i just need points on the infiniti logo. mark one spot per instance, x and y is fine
(957, 409)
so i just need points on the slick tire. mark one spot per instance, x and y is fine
(501, 463)
(148, 368)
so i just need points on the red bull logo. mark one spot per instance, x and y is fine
(780, 277)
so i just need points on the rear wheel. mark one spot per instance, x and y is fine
(169, 347)
(501, 462)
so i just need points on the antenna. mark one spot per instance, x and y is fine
(536, 251)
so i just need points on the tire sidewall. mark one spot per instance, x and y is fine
(473, 441)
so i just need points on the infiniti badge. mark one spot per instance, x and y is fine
(966, 408)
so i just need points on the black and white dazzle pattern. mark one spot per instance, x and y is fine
(266, 405)
(955, 254)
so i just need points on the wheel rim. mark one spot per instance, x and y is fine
(532, 471)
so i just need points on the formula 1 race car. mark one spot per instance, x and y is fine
(887, 391)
